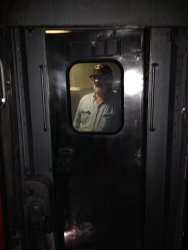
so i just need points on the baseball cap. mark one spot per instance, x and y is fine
(101, 69)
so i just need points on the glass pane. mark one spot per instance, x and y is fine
(95, 93)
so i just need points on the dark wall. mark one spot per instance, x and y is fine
(94, 12)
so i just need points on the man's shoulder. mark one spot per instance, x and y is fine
(87, 96)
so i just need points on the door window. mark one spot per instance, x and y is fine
(95, 94)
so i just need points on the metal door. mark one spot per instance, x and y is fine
(99, 177)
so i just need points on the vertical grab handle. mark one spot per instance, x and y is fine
(44, 110)
(3, 98)
(152, 97)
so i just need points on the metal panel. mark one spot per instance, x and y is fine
(177, 216)
(130, 13)
(98, 177)
(38, 88)
(15, 140)
(159, 80)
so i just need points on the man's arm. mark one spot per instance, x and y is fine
(77, 118)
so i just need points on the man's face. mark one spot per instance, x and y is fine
(102, 84)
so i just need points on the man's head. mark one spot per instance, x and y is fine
(102, 79)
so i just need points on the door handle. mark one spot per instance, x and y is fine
(3, 98)
(44, 102)
(152, 97)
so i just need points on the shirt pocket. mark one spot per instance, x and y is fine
(85, 118)
(107, 122)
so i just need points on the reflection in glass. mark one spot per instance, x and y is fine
(133, 82)
(96, 97)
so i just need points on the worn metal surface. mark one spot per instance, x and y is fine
(91, 13)
(38, 91)
(98, 178)
(160, 56)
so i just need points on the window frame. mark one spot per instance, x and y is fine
(68, 85)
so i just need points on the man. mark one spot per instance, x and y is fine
(99, 111)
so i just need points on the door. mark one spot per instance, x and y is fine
(98, 169)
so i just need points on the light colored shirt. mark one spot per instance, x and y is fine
(94, 117)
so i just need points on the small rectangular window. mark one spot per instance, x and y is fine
(96, 98)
